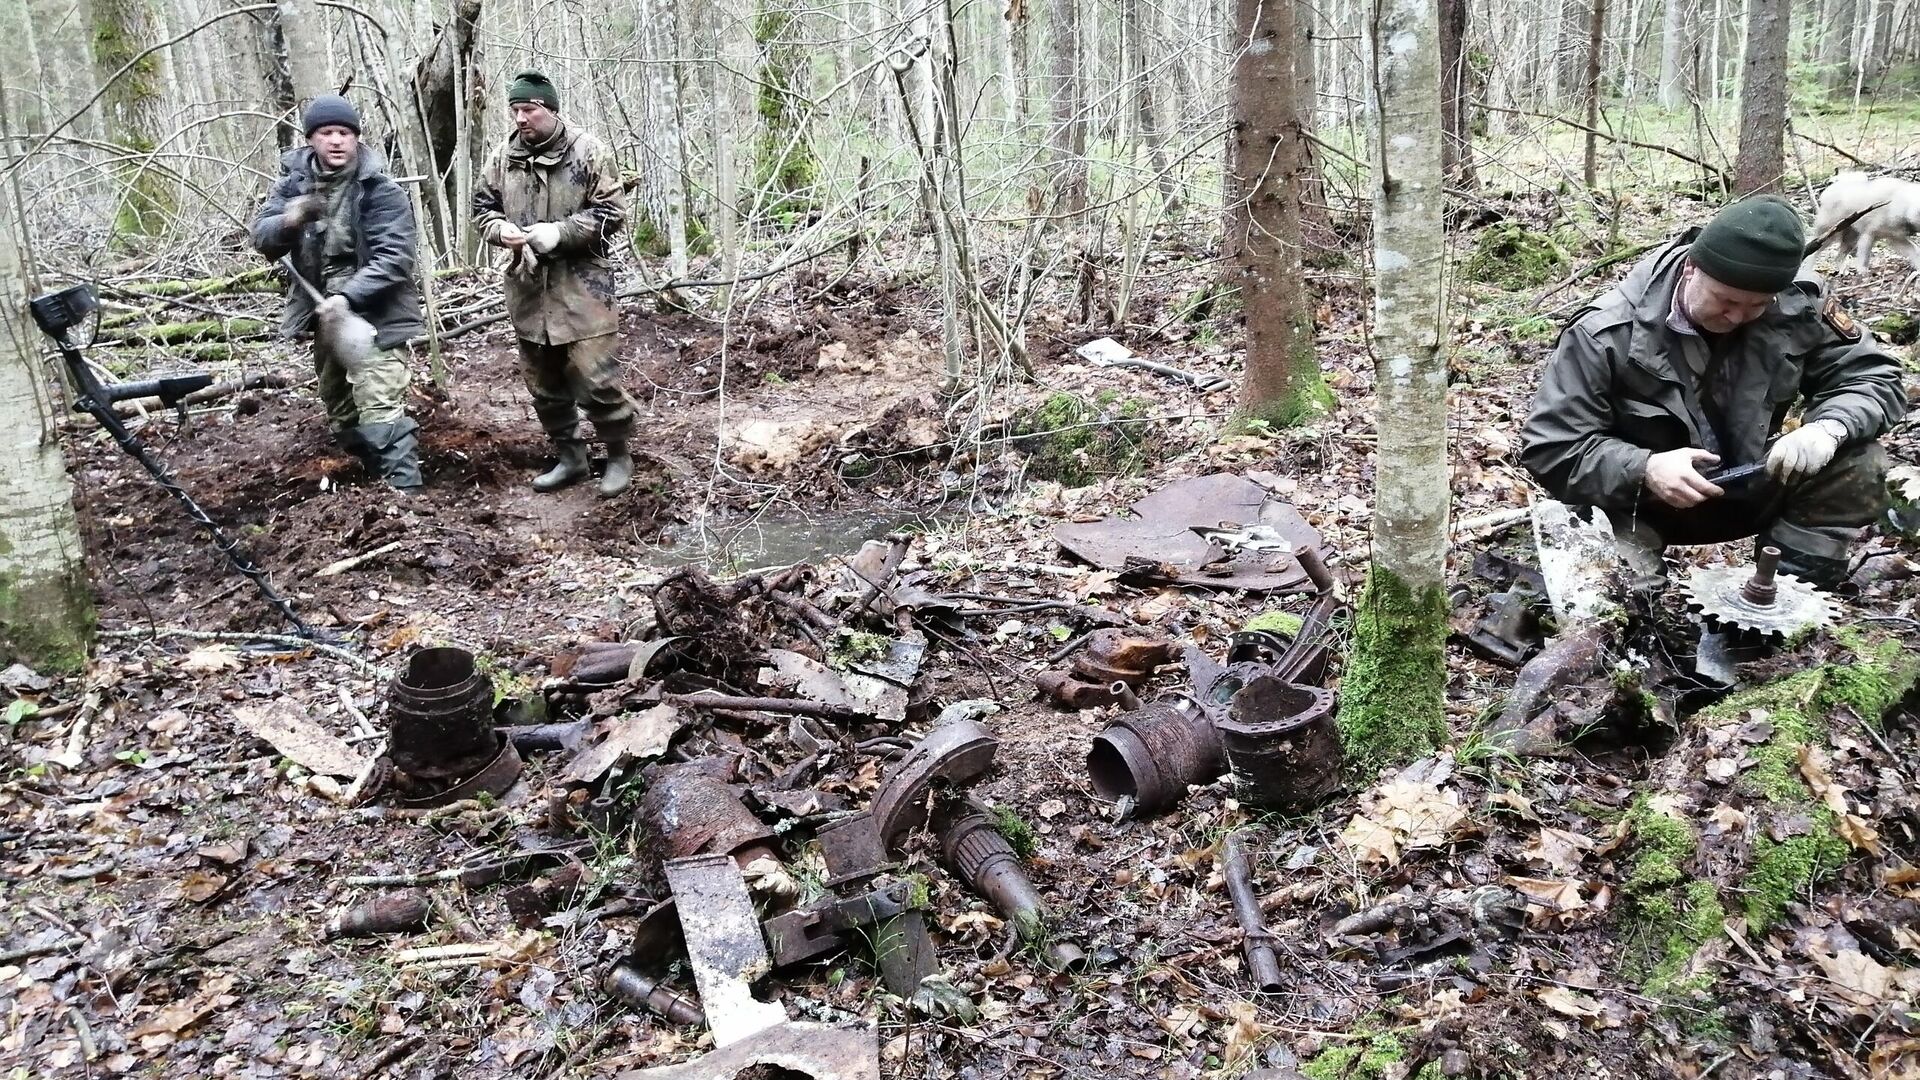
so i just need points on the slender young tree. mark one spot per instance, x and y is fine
(1394, 688)
(1591, 93)
(46, 613)
(1282, 383)
(1456, 129)
(306, 38)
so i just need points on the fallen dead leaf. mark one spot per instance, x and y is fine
(1549, 899)
(1561, 851)
(181, 1015)
(211, 658)
(626, 737)
(311, 746)
(1052, 808)
(1853, 828)
(1571, 1003)
(200, 886)
(1243, 1035)
(1403, 814)
(1729, 819)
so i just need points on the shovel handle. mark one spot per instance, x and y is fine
(298, 277)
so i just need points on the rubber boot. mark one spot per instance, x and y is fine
(619, 472)
(395, 453)
(1816, 570)
(354, 441)
(572, 467)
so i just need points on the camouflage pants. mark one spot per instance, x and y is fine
(1818, 516)
(372, 390)
(581, 376)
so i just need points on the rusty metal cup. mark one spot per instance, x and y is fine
(1153, 754)
(1282, 744)
(440, 716)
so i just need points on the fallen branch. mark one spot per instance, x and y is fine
(896, 554)
(274, 639)
(1609, 136)
(1593, 268)
(1863, 163)
(336, 568)
(266, 380)
(393, 1055)
(792, 706)
(1490, 523)
(27, 952)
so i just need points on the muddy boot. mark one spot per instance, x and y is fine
(1815, 570)
(572, 467)
(354, 441)
(619, 470)
(394, 452)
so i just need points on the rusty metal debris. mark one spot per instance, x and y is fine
(1151, 755)
(1764, 606)
(440, 715)
(691, 809)
(394, 913)
(848, 1051)
(635, 987)
(495, 779)
(983, 859)
(1509, 633)
(1112, 665)
(833, 924)
(1281, 743)
(1256, 940)
(1159, 541)
(724, 946)
(952, 754)
(1528, 724)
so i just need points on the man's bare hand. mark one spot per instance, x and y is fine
(301, 210)
(1674, 477)
(511, 236)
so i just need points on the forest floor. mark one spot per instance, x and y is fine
(169, 876)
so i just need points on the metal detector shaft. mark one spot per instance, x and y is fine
(96, 401)
(301, 279)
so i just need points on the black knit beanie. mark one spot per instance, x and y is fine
(1756, 244)
(329, 109)
(533, 86)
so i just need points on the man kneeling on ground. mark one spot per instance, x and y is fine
(1689, 368)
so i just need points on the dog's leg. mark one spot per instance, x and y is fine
(1863, 251)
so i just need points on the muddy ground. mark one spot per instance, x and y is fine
(183, 873)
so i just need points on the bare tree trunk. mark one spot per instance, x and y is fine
(1763, 99)
(1456, 148)
(1676, 39)
(439, 83)
(1282, 384)
(122, 30)
(1020, 59)
(1068, 138)
(1146, 117)
(1595, 38)
(1315, 218)
(307, 53)
(1570, 50)
(663, 175)
(1393, 706)
(46, 612)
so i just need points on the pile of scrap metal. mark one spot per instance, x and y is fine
(1259, 715)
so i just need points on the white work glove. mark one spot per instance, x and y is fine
(1804, 451)
(334, 306)
(543, 237)
(299, 211)
(1674, 477)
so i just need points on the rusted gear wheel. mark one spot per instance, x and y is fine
(1762, 605)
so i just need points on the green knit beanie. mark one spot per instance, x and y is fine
(533, 86)
(1756, 244)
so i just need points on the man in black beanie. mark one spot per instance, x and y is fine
(350, 232)
(1688, 369)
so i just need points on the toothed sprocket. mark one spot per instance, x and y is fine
(1758, 603)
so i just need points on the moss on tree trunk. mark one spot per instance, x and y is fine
(1392, 697)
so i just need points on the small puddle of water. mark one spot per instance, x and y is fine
(781, 538)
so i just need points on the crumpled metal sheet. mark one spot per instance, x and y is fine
(1159, 541)
(848, 1051)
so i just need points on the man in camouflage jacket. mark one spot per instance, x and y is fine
(552, 198)
(349, 230)
(1688, 368)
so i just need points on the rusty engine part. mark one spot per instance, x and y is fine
(1766, 606)
(440, 715)
(1068, 957)
(1152, 754)
(848, 1051)
(1112, 664)
(724, 945)
(1509, 633)
(1158, 540)
(1526, 725)
(1281, 743)
(953, 753)
(628, 983)
(834, 924)
(495, 779)
(983, 859)
(692, 810)
(546, 894)
(394, 913)
(1255, 939)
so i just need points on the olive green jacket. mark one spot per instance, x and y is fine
(571, 180)
(1622, 384)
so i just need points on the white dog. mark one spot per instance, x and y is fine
(1896, 220)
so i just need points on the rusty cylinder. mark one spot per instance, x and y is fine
(1153, 754)
(639, 989)
(984, 859)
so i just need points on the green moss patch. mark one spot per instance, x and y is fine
(1513, 256)
(1393, 707)
(1079, 443)
(1284, 623)
(1897, 329)
(1368, 1057)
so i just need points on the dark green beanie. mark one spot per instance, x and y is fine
(1756, 244)
(533, 86)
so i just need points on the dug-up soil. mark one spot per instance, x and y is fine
(168, 877)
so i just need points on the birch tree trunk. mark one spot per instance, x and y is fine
(1394, 687)
(1676, 41)
(1282, 384)
(306, 36)
(46, 613)
(1763, 99)
(1068, 138)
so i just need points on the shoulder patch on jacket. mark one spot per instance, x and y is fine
(1841, 322)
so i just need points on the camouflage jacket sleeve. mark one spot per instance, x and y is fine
(1849, 377)
(1565, 442)
(603, 212)
(390, 235)
(487, 213)
(271, 237)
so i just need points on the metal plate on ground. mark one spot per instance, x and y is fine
(724, 945)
